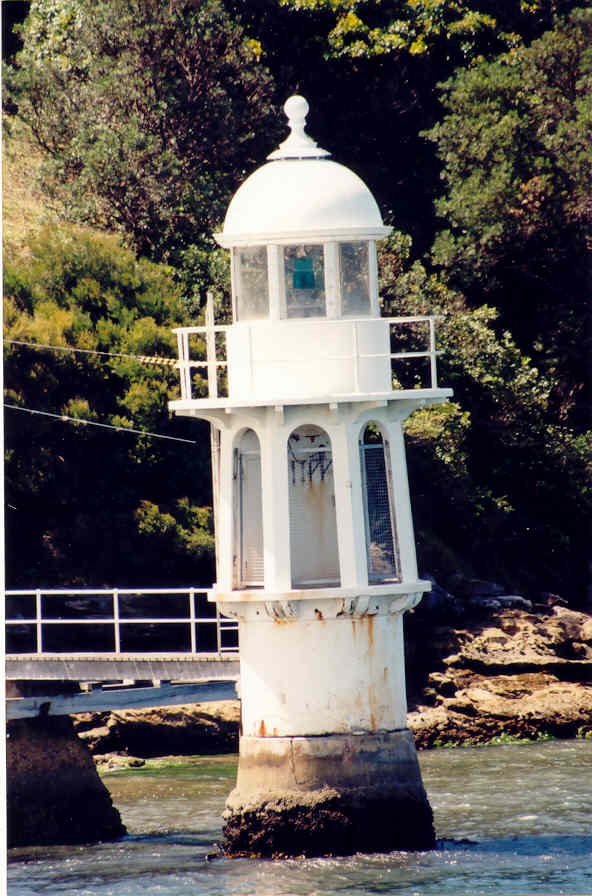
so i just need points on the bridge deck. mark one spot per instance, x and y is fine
(122, 666)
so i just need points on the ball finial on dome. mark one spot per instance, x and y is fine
(298, 145)
(296, 109)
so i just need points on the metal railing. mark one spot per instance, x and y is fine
(432, 353)
(116, 621)
(199, 349)
(207, 360)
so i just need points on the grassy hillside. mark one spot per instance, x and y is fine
(25, 209)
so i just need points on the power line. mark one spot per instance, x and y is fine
(145, 359)
(65, 419)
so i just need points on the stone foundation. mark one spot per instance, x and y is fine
(54, 794)
(328, 795)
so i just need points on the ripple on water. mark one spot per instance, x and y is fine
(512, 820)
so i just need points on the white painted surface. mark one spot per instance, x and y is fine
(342, 501)
(301, 199)
(298, 145)
(313, 523)
(269, 360)
(322, 676)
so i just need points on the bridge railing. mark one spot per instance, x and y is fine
(116, 621)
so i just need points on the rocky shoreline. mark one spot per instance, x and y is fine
(493, 672)
(512, 674)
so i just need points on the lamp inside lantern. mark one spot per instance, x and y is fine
(303, 274)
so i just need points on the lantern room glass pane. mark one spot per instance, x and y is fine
(381, 546)
(304, 276)
(252, 292)
(354, 274)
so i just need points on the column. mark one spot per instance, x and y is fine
(348, 504)
(276, 517)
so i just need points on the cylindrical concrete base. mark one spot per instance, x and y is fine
(328, 795)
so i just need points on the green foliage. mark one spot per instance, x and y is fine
(148, 113)
(498, 481)
(445, 427)
(516, 148)
(73, 491)
(505, 738)
(187, 530)
(362, 28)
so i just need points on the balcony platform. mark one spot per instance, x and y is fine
(217, 407)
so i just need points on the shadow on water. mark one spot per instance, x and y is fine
(535, 846)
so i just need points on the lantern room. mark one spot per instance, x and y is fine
(302, 232)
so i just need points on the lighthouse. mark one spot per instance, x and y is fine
(315, 549)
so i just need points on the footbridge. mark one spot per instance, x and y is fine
(73, 650)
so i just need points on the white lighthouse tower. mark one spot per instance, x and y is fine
(314, 534)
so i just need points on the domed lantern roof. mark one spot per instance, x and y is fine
(301, 194)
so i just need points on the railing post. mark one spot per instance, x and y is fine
(180, 347)
(116, 621)
(192, 623)
(218, 631)
(433, 357)
(187, 367)
(211, 348)
(38, 626)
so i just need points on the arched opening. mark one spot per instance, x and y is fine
(248, 513)
(313, 523)
(381, 540)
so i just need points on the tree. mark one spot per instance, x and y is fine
(501, 486)
(516, 148)
(464, 29)
(88, 505)
(149, 113)
(370, 68)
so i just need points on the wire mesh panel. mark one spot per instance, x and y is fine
(381, 548)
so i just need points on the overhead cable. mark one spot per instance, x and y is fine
(145, 359)
(66, 419)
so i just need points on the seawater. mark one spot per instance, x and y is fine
(512, 819)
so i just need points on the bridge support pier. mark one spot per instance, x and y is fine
(54, 794)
